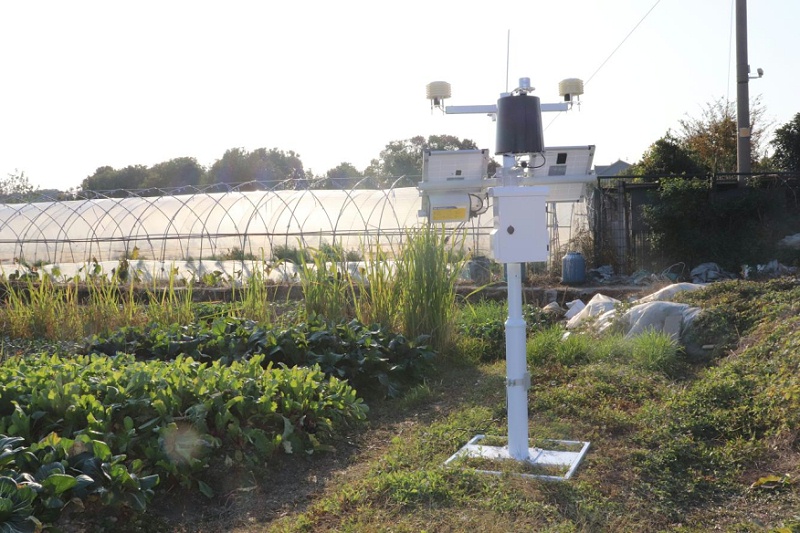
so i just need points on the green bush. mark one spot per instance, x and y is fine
(291, 254)
(550, 346)
(484, 324)
(690, 223)
(371, 357)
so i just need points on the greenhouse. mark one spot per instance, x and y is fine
(207, 230)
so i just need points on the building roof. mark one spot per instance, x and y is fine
(614, 169)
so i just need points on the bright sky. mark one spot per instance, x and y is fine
(93, 83)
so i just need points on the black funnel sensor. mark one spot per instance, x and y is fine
(519, 125)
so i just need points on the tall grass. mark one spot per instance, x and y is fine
(35, 309)
(376, 293)
(427, 270)
(40, 308)
(251, 301)
(415, 295)
(104, 307)
(169, 305)
(656, 351)
(326, 286)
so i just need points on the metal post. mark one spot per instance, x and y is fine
(517, 377)
(742, 94)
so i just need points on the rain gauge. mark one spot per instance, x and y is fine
(454, 188)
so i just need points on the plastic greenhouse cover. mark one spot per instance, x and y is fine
(212, 226)
(201, 225)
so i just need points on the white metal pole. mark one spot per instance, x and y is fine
(517, 377)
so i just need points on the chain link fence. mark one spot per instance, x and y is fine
(622, 237)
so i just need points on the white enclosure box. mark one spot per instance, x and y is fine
(520, 224)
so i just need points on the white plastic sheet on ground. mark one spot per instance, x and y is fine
(669, 292)
(791, 241)
(598, 305)
(575, 307)
(650, 313)
(667, 317)
(709, 272)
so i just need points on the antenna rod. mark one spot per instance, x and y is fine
(508, 55)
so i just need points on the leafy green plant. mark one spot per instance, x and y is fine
(16, 507)
(170, 417)
(371, 358)
(291, 254)
(54, 472)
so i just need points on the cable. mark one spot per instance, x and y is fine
(730, 49)
(728, 84)
(483, 205)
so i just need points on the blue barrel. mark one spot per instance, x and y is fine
(480, 270)
(573, 268)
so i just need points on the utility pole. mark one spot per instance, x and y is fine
(743, 166)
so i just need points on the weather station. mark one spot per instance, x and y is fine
(455, 187)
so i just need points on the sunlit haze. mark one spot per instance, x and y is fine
(88, 84)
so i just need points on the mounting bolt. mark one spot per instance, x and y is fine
(510, 230)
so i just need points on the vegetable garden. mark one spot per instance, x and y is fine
(149, 395)
(117, 397)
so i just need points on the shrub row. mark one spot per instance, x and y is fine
(370, 357)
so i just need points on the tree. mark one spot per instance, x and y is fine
(666, 156)
(706, 144)
(240, 166)
(403, 159)
(342, 176)
(787, 146)
(175, 173)
(116, 182)
(16, 188)
(276, 165)
(711, 138)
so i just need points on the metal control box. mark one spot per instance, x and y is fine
(520, 224)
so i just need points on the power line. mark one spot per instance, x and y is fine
(607, 59)
(621, 43)
(730, 51)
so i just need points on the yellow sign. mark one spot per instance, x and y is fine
(446, 214)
